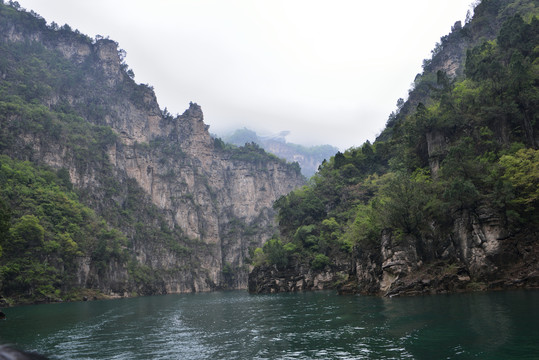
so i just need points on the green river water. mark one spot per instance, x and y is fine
(312, 325)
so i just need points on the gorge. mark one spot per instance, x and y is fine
(104, 194)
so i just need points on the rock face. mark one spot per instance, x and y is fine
(297, 277)
(219, 201)
(475, 255)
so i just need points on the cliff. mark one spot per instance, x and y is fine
(190, 209)
(446, 198)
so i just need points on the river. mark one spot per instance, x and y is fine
(312, 325)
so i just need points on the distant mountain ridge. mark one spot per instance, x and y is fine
(308, 157)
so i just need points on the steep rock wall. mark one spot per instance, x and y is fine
(477, 254)
(221, 203)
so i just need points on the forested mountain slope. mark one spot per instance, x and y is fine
(102, 192)
(446, 199)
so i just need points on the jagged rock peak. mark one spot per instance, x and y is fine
(194, 111)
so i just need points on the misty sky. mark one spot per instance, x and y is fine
(330, 72)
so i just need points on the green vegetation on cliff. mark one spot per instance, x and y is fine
(45, 231)
(42, 203)
(470, 143)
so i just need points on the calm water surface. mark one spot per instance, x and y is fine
(318, 325)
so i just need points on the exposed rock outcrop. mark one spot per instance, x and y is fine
(476, 257)
(299, 277)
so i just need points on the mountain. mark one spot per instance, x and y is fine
(102, 192)
(309, 158)
(446, 199)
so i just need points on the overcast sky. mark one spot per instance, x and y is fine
(330, 72)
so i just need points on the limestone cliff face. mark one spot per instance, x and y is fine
(212, 197)
(297, 277)
(477, 254)
(219, 202)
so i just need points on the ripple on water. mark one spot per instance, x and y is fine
(292, 326)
